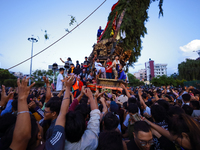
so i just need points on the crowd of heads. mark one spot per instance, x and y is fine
(90, 70)
(137, 118)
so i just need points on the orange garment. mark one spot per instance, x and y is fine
(80, 85)
(75, 86)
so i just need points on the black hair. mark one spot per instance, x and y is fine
(124, 92)
(83, 108)
(84, 99)
(175, 110)
(100, 107)
(61, 69)
(69, 58)
(54, 104)
(158, 113)
(110, 121)
(164, 104)
(144, 95)
(141, 126)
(110, 140)
(133, 108)
(125, 105)
(131, 100)
(188, 110)
(184, 123)
(186, 97)
(195, 104)
(14, 104)
(75, 126)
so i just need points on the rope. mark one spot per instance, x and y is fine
(59, 38)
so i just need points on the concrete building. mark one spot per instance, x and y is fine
(154, 70)
(160, 69)
(149, 67)
(141, 75)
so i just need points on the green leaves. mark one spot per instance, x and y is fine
(133, 81)
(133, 24)
(72, 20)
(189, 70)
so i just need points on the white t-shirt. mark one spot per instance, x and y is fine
(127, 119)
(59, 82)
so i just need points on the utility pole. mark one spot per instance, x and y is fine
(33, 40)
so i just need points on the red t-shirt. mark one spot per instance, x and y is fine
(108, 64)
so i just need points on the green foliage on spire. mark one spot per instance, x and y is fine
(133, 24)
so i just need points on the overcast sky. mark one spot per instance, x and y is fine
(170, 39)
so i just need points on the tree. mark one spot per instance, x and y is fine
(133, 81)
(7, 79)
(189, 70)
(133, 25)
(38, 74)
(164, 81)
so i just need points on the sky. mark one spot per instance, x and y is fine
(170, 39)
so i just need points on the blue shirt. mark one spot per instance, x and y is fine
(8, 108)
(122, 75)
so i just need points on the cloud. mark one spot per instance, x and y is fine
(138, 64)
(192, 46)
(188, 51)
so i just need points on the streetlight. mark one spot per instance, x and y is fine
(33, 40)
(54, 68)
(198, 52)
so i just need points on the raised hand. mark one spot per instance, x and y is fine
(46, 80)
(32, 104)
(83, 90)
(88, 93)
(97, 93)
(69, 81)
(122, 86)
(23, 89)
(4, 96)
(140, 91)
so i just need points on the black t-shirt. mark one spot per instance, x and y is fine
(86, 62)
(132, 145)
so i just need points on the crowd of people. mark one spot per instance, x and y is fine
(89, 72)
(160, 118)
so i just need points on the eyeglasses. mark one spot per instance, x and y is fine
(47, 112)
(144, 143)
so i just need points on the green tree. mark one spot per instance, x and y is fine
(133, 81)
(189, 70)
(7, 79)
(133, 25)
(38, 74)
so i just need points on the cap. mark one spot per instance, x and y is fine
(114, 107)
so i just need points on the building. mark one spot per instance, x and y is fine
(141, 75)
(149, 67)
(160, 69)
(154, 70)
(18, 74)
